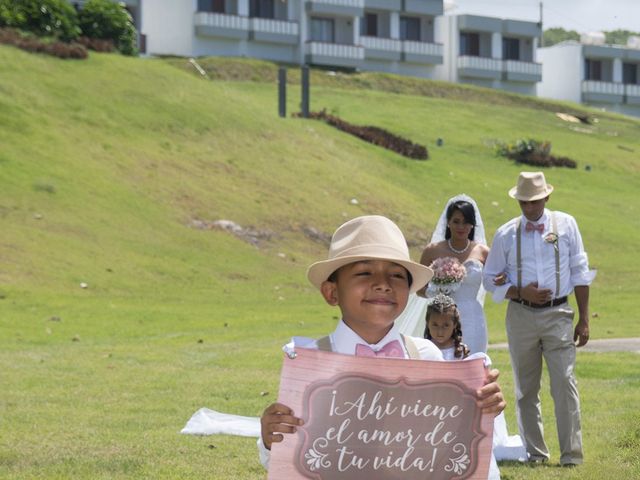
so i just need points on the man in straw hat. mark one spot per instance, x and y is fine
(542, 259)
(368, 275)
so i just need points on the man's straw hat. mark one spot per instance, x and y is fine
(371, 237)
(531, 186)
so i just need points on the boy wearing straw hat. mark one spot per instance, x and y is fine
(369, 275)
(543, 259)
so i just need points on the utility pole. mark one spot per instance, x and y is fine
(305, 91)
(282, 92)
(541, 27)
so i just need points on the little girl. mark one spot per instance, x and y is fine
(443, 328)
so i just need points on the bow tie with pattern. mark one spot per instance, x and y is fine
(391, 349)
(532, 227)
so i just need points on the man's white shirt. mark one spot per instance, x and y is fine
(538, 256)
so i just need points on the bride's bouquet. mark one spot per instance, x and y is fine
(448, 273)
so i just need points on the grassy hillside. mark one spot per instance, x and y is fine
(106, 164)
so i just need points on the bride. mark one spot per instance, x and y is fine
(460, 234)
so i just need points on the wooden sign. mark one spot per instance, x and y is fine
(382, 418)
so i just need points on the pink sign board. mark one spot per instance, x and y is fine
(382, 418)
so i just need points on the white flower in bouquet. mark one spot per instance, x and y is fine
(448, 273)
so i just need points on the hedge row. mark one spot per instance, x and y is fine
(30, 43)
(375, 135)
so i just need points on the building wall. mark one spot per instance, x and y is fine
(168, 26)
(562, 72)
(448, 31)
(204, 46)
(400, 68)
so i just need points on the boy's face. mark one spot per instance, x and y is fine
(371, 295)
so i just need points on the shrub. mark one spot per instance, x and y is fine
(533, 152)
(107, 20)
(31, 43)
(51, 18)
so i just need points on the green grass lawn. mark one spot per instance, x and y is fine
(106, 163)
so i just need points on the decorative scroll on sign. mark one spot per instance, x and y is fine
(382, 418)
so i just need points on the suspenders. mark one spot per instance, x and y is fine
(554, 230)
(324, 344)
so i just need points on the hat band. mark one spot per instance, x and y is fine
(374, 250)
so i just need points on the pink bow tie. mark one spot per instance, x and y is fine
(391, 349)
(532, 226)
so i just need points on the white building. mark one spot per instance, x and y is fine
(603, 76)
(382, 35)
(490, 52)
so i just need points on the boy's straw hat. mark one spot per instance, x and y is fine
(370, 237)
(531, 186)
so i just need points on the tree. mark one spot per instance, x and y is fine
(619, 37)
(555, 35)
(107, 20)
(45, 18)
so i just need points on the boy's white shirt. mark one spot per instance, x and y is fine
(344, 340)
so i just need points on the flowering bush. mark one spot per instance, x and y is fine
(447, 270)
(532, 152)
(49, 18)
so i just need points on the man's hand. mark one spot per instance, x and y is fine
(581, 333)
(531, 293)
(490, 397)
(276, 420)
(500, 279)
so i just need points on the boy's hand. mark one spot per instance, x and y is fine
(490, 397)
(276, 420)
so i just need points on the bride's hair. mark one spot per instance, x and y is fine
(445, 304)
(468, 212)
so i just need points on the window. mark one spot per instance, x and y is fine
(510, 48)
(322, 30)
(370, 25)
(410, 28)
(470, 44)
(216, 6)
(261, 9)
(630, 74)
(592, 69)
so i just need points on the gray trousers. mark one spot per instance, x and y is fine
(534, 334)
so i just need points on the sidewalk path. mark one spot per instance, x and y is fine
(598, 345)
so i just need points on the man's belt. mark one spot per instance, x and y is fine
(552, 303)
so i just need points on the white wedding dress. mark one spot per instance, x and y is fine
(469, 298)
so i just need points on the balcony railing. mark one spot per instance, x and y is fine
(377, 43)
(280, 27)
(526, 68)
(335, 50)
(480, 63)
(422, 48)
(632, 90)
(221, 20)
(340, 3)
(602, 88)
